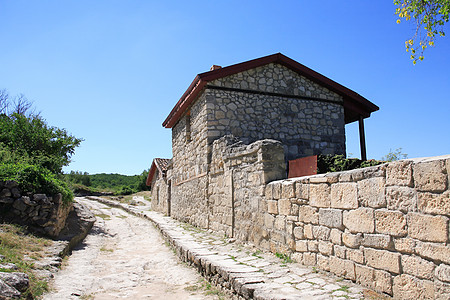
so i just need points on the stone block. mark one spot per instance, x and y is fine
(323, 262)
(272, 207)
(268, 191)
(401, 198)
(298, 232)
(442, 273)
(359, 220)
(433, 251)
(416, 266)
(344, 195)
(351, 240)
(355, 255)
(297, 257)
(301, 246)
(336, 236)
(288, 189)
(319, 195)
(307, 231)
(371, 192)
(399, 173)
(276, 190)
(330, 217)
(404, 245)
(409, 287)
(434, 203)
(430, 176)
(326, 248)
(390, 222)
(280, 223)
(302, 191)
(313, 246)
(269, 221)
(284, 207)
(342, 267)
(441, 290)
(377, 280)
(308, 214)
(382, 259)
(321, 232)
(340, 251)
(379, 241)
(427, 228)
(309, 259)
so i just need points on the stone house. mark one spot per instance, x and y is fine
(233, 131)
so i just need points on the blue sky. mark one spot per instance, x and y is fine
(110, 71)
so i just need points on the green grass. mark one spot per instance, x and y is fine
(284, 257)
(16, 245)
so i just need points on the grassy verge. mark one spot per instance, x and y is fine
(22, 249)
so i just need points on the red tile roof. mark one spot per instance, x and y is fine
(160, 164)
(355, 105)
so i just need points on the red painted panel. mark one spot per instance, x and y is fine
(303, 166)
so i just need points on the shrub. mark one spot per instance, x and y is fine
(336, 163)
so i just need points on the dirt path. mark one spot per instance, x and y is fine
(124, 257)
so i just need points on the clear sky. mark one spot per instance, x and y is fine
(110, 71)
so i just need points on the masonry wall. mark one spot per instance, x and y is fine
(273, 102)
(385, 227)
(189, 167)
(160, 194)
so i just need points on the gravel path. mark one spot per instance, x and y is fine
(115, 261)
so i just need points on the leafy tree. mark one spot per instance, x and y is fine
(430, 17)
(395, 155)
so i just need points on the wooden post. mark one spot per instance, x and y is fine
(362, 139)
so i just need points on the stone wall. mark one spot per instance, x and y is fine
(273, 102)
(237, 178)
(42, 214)
(160, 194)
(385, 227)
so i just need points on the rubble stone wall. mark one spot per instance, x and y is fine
(385, 227)
(41, 213)
(160, 194)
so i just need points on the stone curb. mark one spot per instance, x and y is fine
(239, 280)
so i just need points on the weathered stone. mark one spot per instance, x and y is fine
(288, 189)
(336, 236)
(20, 205)
(308, 232)
(319, 195)
(401, 198)
(7, 292)
(17, 280)
(284, 207)
(340, 251)
(438, 252)
(344, 195)
(390, 222)
(342, 267)
(371, 192)
(298, 232)
(280, 223)
(378, 280)
(269, 221)
(355, 255)
(417, 266)
(301, 246)
(404, 245)
(308, 214)
(382, 259)
(399, 173)
(309, 259)
(326, 248)
(430, 176)
(272, 207)
(313, 246)
(434, 203)
(323, 262)
(276, 190)
(379, 241)
(352, 240)
(268, 191)
(330, 217)
(408, 287)
(5, 193)
(321, 232)
(302, 190)
(359, 220)
(428, 228)
(442, 272)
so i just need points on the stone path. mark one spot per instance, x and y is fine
(242, 269)
(125, 257)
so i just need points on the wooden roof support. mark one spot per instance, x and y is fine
(362, 138)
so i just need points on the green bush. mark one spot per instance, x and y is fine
(35, 179)
(337, 163)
